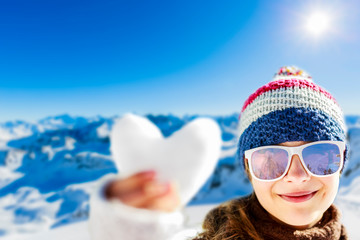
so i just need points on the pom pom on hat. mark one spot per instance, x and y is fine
(291, 107)
(292, 72)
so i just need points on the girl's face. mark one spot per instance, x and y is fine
(298, 199)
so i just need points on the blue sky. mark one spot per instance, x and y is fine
(183, 57)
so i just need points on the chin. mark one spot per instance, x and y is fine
(301, 220)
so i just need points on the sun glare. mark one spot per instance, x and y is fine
(318, 23)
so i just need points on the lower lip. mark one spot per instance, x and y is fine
(298, 199)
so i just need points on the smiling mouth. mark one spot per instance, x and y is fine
(298, 197)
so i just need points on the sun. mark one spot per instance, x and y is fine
(318, 23)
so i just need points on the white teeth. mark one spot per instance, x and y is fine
(187, 157)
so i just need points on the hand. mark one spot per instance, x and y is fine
(142, 190)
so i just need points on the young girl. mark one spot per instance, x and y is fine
(292, 146)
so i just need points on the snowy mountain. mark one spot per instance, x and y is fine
(19, 129)
(352, 168)
(48, 169)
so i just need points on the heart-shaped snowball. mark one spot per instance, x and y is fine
(188, 157)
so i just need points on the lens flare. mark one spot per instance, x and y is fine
(318, 23)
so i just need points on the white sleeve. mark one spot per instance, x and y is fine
(111, 220)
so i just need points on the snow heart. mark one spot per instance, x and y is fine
(187, 157)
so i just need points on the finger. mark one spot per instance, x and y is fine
(135, 182)
(167, 202)
(143, 196)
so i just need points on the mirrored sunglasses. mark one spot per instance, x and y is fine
(320, 159)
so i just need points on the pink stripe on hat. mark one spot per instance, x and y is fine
(286, 83)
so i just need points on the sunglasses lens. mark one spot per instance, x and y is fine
(269, 163)
(322, 159)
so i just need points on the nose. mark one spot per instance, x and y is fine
(296, 173)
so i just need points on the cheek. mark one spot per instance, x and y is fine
(331, 185)
(263, 191)
(266, 196)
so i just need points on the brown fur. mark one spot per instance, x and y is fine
(229, 221)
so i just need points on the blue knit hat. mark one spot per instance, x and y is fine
(289, 108)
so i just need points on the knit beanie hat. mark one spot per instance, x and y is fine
(289, 108)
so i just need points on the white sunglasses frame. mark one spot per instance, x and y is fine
(291, 151)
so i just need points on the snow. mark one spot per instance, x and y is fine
(27, 200)
(19, 131)
(7, 176)
(195, 215)
(49, 151)
(103, 131)
(137, 145)
(14, 158)
(3, 144)
(79, 231)
(46, 179)
(348, 200)
(55, 138)
(69, 143)
(227, 153)
(76, 231)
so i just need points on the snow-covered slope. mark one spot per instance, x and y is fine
(19, 129)
(48, 170)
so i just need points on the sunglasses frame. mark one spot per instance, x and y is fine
(291, 152)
